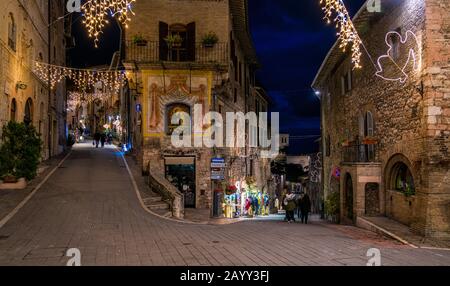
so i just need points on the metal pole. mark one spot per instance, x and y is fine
(49, 126)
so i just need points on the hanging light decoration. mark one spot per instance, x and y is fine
(96, 11)
(347, 31)
(75, 98)
(83, 79)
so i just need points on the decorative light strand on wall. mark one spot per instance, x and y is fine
(95, 15)
(347, 31)
(83, 79)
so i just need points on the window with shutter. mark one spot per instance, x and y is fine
(369, 124)
(163, 48)
(191, 42)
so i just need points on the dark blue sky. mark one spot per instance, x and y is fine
(291, 39)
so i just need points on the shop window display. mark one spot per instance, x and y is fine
(245, 200)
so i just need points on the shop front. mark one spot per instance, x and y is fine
(180, 171)
(244, 200)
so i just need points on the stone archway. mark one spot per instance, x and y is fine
(400, 189)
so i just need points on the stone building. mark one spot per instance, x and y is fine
(167, 76)
(386, 127)
(26, 37)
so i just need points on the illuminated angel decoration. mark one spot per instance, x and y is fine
(393, 66)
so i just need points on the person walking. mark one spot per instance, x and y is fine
(103, 139)
(290, 205)
(305, 208)
(97, 139)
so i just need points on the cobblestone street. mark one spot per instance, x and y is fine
(90, 203)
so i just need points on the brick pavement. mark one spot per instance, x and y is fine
(90, 204)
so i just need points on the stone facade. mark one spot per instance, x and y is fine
(409, 121)
(24, 39)
(219, 78)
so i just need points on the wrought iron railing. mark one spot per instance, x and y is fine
(359, 153)
(150, 52)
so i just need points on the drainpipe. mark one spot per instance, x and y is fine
(50, 123)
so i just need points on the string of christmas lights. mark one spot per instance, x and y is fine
(347, 31)
(83, 79)
(75, 98)
(96, 11)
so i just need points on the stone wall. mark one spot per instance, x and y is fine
(411, 118)
(209, 15)
(16, 66)
(436, 117)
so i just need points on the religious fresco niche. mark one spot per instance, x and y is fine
(181, 93)
(173, 109)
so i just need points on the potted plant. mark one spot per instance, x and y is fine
(332, 206)
(139, 40)
(19, 155)
(210, 39)
(174, 41)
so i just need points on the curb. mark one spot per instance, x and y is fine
(365, 224)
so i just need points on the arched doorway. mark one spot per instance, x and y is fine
(13, 110)
(28, 114)
(348, 197)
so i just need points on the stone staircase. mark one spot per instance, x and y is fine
(156, 204)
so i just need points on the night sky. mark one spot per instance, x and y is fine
(291, 40)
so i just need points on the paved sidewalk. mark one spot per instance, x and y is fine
(404, 233)
(90, 204)
(9, 199)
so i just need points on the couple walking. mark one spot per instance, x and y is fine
(99, 138)
(302, 205)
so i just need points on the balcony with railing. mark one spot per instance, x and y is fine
(154, 52)
(359, 153)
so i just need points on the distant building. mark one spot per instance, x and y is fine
(303, 161)
(173, 63)
(284, 141)
(386, 138)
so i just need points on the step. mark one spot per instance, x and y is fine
(150, 200)
(158, 206)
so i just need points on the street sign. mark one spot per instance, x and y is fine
(218, 169)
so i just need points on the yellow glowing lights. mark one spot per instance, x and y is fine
(76, 98)
(347, 31)
(96, 12)
(83, 79)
